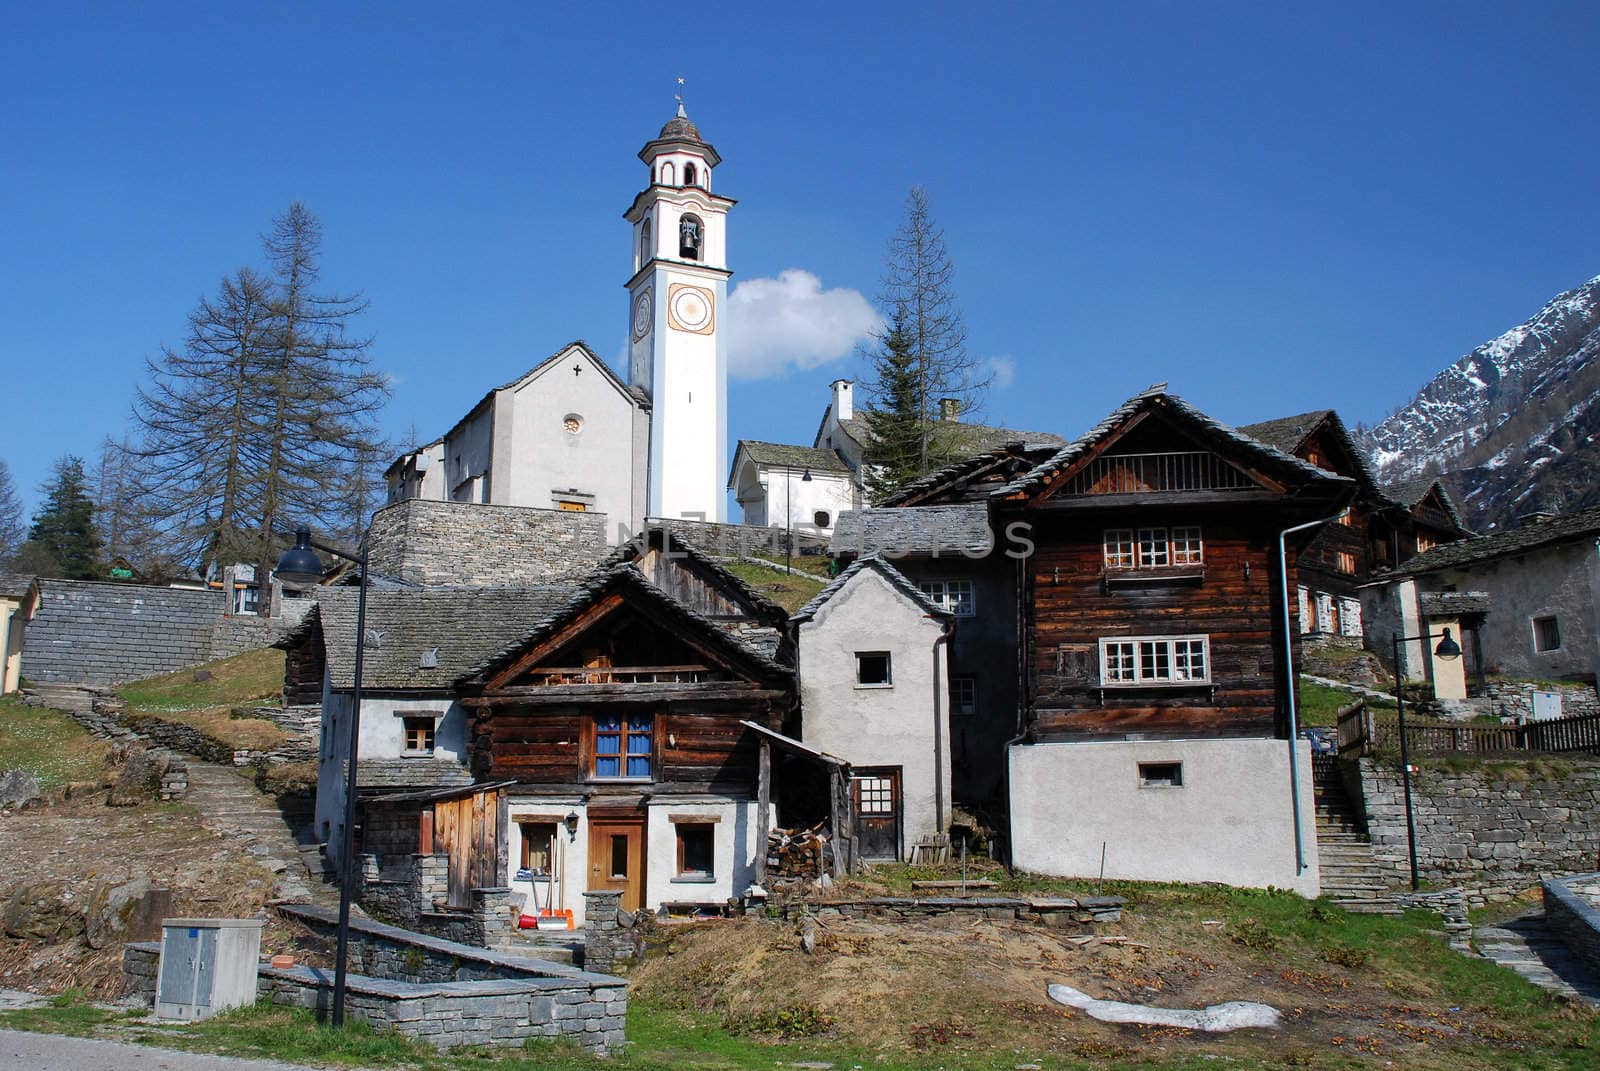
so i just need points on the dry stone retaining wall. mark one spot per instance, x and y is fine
(1570, 911)
(468, 543)
(1493, 828)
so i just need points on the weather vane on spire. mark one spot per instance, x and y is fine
(678, 96)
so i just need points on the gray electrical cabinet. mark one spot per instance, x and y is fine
(207, 966)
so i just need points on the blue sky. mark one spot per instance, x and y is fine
(1274, 210)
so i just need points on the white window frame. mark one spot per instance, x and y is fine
(942, 592)
(888, 669)
(1153, 547)
(1154, 661)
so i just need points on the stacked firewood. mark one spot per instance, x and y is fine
(797, 853)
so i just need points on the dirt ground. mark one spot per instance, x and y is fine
(977, 987)
(58, 857)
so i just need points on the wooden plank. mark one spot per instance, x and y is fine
(558, 639)
(763, 809)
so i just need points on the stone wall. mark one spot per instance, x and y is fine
(467, 543)
(97, 633)
(436, 991)
(1054, 912)
(1493, 828)
(743, 540)
(1514, 699)
(1569, 910)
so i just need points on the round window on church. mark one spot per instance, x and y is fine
(820, 518)
(573, 423)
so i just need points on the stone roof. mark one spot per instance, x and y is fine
(1258, 452)
(467, 625)
(1537, 535)
(410, 772)
(960, 437)
(877, 564)
(1289, 433)
(914, 531)
(787, 456)
(957, 471)
(624, 576)
(1453, 603)
(1410, 493)
(679, 128)
(16, 585)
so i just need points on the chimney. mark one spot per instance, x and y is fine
(843, 400)
(950, 409)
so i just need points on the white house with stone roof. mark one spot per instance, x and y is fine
(872, 653)
(791, 487)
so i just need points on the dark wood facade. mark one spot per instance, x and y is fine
(1153, 597)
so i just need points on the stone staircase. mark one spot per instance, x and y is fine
(559, 946)
(1351, 876)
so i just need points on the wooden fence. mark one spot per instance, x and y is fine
(1360, 732)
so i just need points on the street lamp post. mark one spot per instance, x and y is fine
(1448, 650)
(301, 566)
(788, 514)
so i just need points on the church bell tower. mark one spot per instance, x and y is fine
(677, 295)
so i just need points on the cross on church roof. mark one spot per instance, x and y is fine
(678, 96)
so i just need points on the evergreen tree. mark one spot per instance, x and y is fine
(64, 527)
(12, 531)
(893, 456)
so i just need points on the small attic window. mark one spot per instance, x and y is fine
(418, 734)
(429, 659)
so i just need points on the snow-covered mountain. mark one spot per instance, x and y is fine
(1512, 426)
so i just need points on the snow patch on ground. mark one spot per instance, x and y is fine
(1214, 1018)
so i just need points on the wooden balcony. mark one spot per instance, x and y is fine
(1188, 471)
(562, 676)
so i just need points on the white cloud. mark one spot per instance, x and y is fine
(791, 322)
(1002, 371)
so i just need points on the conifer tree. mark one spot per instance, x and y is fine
(63, 530)
(893, 456)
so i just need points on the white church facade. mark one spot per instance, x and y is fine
(569, 433)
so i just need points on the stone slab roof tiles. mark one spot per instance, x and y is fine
(794, 457)
(914, 531)
(1584, 525)
(876, 564)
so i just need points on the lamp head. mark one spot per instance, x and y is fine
(571, 824)
(300, 567)
(806, 477)
(1448, 650)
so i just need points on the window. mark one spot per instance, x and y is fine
(821, 518)
(696, 851)
(1161, 775)
(571, 507)
(1155, 660)
(645, 252)
(874, 795)
(1546, 634)
(622, 746)
(952, 595)
(1345, 561)
(669, 174)
(1153, 548)
(872, 669)
(1425, 543)
(690, 176)
(418, 734)
(964, 696)
(691, 232)
(536, 845)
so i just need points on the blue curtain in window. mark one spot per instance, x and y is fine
(608, 747)
(639, 746)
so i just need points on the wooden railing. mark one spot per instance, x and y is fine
(1126, 474)
(561, 675)
(1360, 732)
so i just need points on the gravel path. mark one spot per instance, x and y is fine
(52, 1052)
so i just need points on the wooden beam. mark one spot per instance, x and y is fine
(556, 640)
(568, 694)
(763, 809)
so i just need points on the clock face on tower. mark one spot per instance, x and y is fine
(643, 313)
(691, 309)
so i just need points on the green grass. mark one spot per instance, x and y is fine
(252, 677)
(790, 591)
(48, 744)
(1319, 705)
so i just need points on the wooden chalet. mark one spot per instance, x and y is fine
(1383, 528)
(622, 728)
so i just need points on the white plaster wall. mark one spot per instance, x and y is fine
(383, 727)
(468, 450)
(906, 725)
(832, 491)
(546, 458)
(737, 839)
(689, 384)
(1230, 822)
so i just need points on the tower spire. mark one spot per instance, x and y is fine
(678, 96)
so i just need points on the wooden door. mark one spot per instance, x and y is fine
(878, 809)
(616, 858)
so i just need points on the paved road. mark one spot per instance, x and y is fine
(51, 1052)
